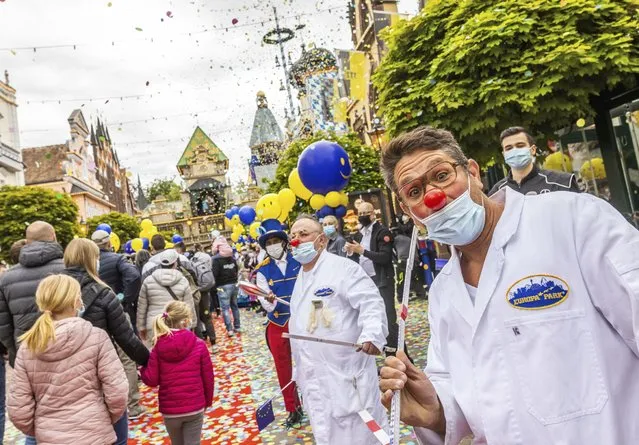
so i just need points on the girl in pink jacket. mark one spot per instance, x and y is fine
(180, 364)
(68, 383)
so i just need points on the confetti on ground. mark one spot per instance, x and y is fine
(244, 379)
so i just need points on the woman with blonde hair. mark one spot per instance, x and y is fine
(103, 309)
(68, 384)
(180, 365)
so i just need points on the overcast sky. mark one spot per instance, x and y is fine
(201, 69)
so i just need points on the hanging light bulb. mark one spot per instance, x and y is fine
(277, 62)
(282, 85)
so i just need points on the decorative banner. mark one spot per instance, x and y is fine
(354, 74)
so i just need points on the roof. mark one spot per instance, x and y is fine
(312, 61)
(206, 183)
(265, 128)
(44, 164)
(200, 141)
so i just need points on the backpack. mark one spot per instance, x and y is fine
(197, 296)
(203, 274)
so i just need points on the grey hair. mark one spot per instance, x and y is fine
(422, 138)
(317, 224)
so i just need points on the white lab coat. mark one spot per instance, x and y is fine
(565, 373)
(336, 381)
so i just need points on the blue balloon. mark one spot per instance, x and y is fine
(324, 167)
(326, 210)
(340, 211)
(145, 243)
(177, 238)
(105, 227)
(229, 214)
(247, 215)
(127, 248)
(234, 211)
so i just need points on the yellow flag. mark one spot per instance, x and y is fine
(358, 75)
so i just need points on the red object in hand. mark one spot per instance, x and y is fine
(435, 199)
(295, 243)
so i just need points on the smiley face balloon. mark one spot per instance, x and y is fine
(324, 167)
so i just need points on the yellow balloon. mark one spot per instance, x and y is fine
(169, 245)
(115, 241)
(283, 217)
(287, 199)
(238, 246)
(235, 236)
(153, 230)
(228, 223)
(597, 168)
(254, 229)
(333, 199)
(343, 199)
(268, 206)
(137, 244)
(236, 220)
(555, 162)
(317, 202)
(146, 223)
(295, 184)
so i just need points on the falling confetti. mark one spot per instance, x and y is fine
(108, 4)
(148, 83)
(169, 14)
(234, 21)
(138, 29)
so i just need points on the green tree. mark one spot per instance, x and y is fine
(20, 206)
(127, 227)
(165, 187)
(477, 67)
(364, 159)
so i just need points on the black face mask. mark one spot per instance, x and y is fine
(364, 220)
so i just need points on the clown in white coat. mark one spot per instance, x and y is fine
(535, 318)
(334, 298)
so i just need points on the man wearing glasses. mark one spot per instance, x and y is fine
(535, 336)
(334, 299)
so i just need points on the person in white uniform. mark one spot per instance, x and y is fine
(547, 351)
(335, 299)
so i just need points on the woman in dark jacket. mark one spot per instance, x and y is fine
(102, 309)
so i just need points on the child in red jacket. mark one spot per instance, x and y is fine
(180, 364)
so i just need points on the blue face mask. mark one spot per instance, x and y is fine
(329, 230)
(518, 158)
(457, 224)
(305, 252)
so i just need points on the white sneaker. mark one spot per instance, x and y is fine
(238, 330)
(231, 334)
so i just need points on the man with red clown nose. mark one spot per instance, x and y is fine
(277, 273)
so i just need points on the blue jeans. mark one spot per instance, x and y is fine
(228, 301)
(29, 440)
(121, 428)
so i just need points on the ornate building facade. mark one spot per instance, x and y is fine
(69, 168)
(11, 166)
(266, 143)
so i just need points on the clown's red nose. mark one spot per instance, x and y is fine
(295, 243)
(435, 199)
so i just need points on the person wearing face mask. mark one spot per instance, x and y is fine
(336, 241)
(335, 299)
(277, 274)
(534, 339)
(374, 246)
(519, 153)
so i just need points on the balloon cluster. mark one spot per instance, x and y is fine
(113, 237)
(323, 170)
(236, 218)
(147, 232)
(276, 205)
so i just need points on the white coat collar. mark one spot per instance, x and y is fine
(491, 272)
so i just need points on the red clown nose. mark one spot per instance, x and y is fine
(435, 199)
(295, 243)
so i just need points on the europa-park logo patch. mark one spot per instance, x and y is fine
(537, 292)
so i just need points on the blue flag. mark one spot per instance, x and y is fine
(265, 415)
